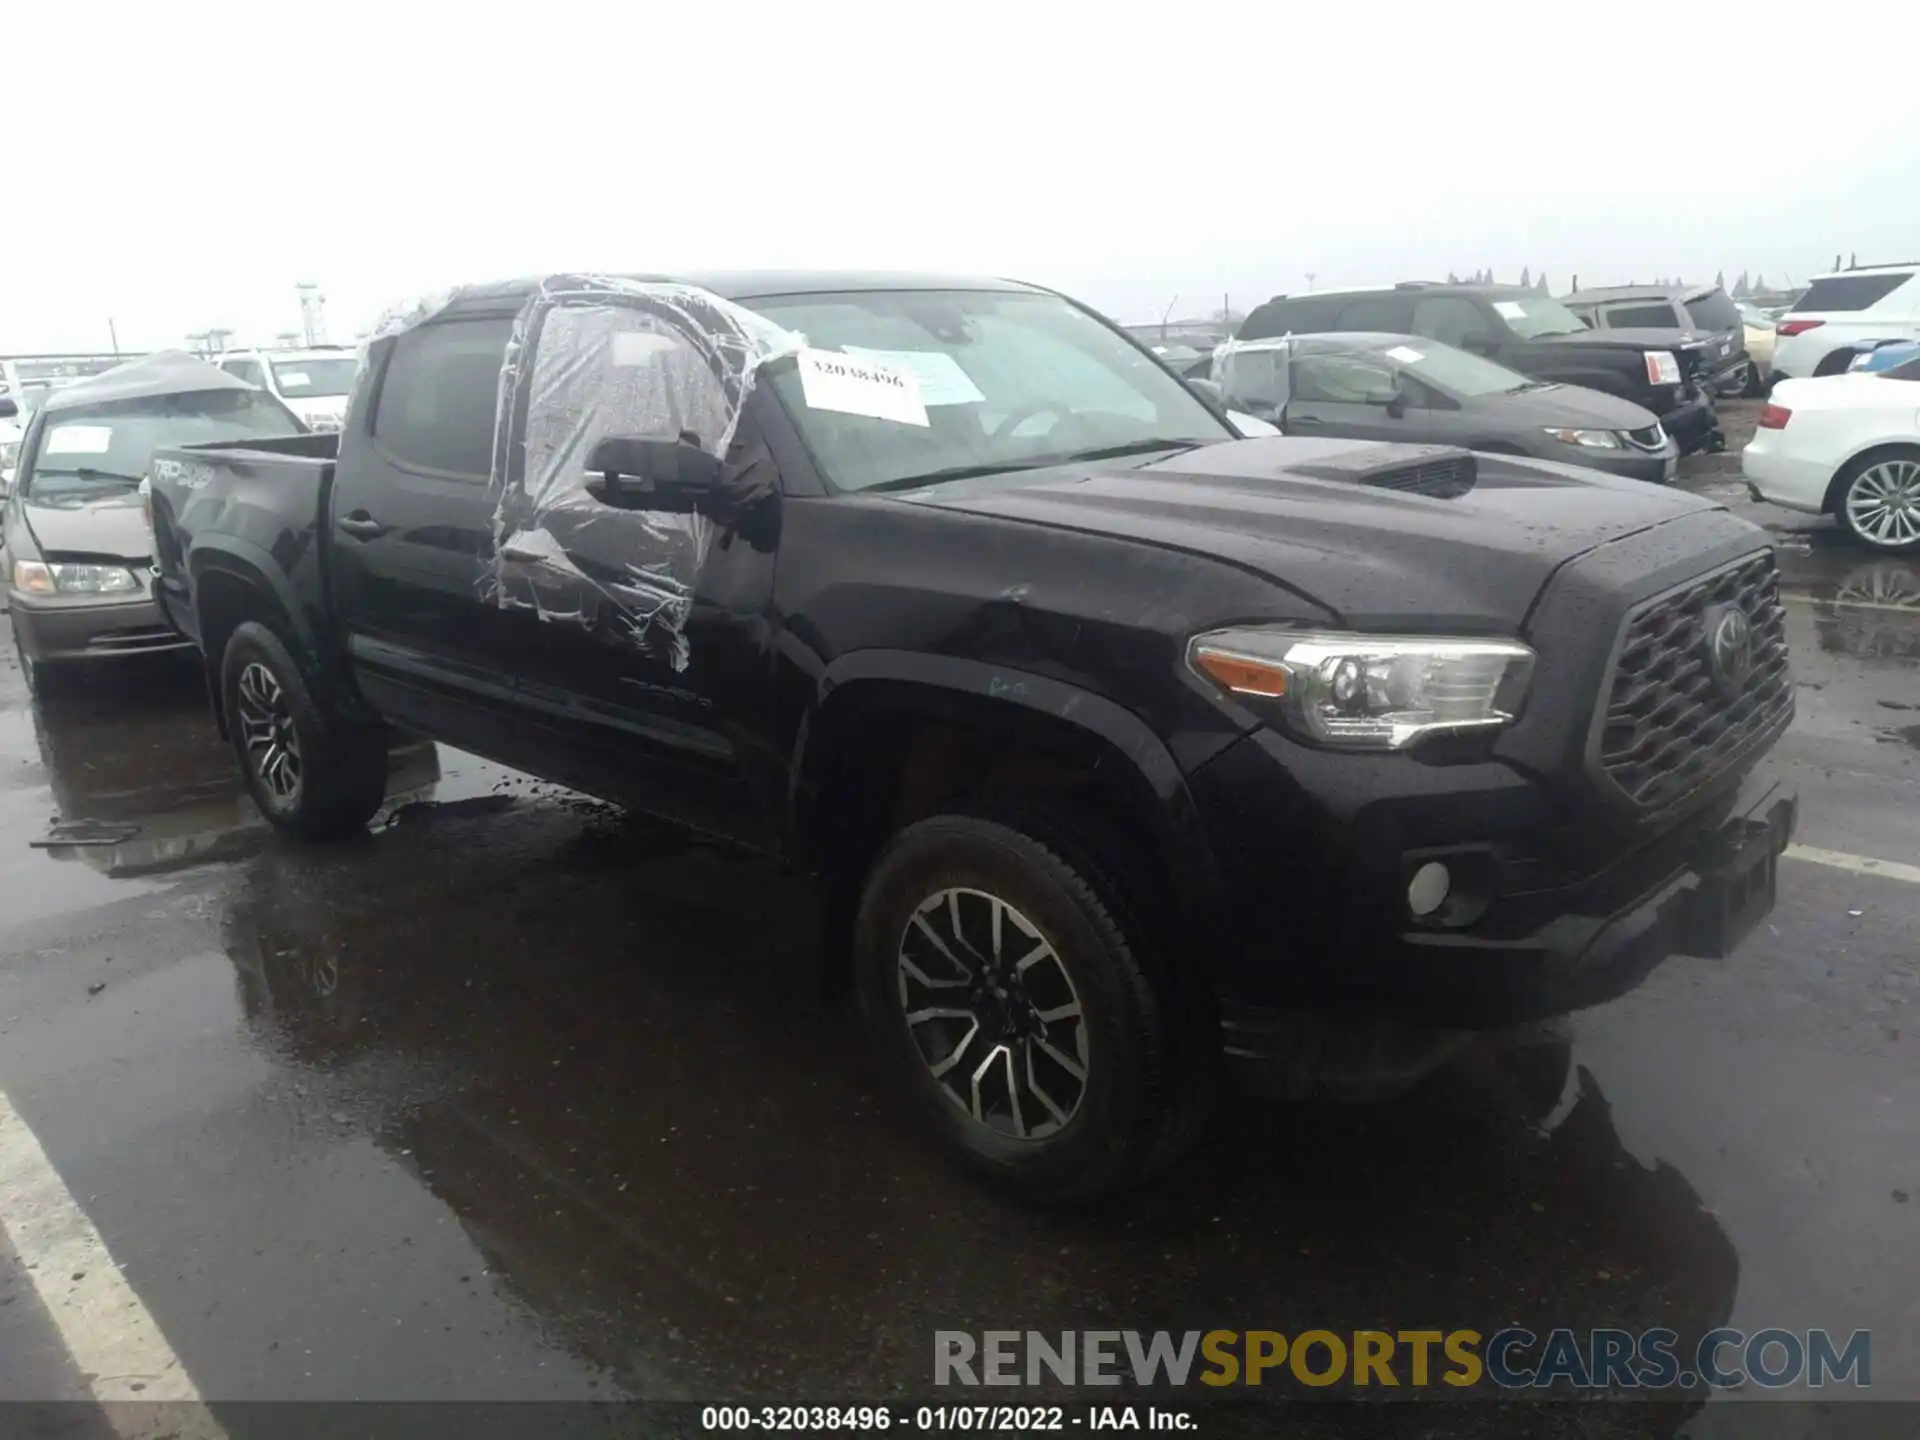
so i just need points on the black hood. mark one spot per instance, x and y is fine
(1571, 405)
(1319, 517)
(112, 524)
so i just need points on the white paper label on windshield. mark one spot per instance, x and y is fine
(854, 385)
(79, 440)
(941, 380)
(1510, 310)
(294, 377)
(1405, 354)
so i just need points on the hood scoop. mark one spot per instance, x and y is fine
(1437, 472)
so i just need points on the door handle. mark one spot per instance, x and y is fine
(362, 526)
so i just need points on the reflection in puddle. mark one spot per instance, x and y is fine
(143, 784)
(1871, 612)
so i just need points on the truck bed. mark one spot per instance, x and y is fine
(252, 507)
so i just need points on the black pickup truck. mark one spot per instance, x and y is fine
(1663, 369)
(1120, 745)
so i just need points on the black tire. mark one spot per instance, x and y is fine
(339, 769)
(1142, 1095)
(1893, 465)
(1756, 385)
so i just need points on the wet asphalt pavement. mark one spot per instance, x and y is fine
(520, 1099)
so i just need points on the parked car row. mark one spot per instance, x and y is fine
(1665, 370)
(951, 593)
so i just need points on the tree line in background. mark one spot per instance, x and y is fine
(1741, 288)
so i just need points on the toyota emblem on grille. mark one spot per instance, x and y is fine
(1729, 648)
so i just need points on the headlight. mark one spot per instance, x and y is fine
(1662, 367)
(1368, 692)
(1862, 360)
(36, 578)
(1592, 439)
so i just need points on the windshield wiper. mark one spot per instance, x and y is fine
(87, 472)
(1039, 462)
(1132, 447)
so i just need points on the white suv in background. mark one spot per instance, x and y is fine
(1874, 302)
(313, 382)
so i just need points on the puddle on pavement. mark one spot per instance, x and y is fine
(142, 783)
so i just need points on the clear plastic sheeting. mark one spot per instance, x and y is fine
(593, 357)
(1254, 375)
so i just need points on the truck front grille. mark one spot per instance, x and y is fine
(1676, 717)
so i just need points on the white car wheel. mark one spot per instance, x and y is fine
(1880, 503)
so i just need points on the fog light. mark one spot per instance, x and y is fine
(1427, 891)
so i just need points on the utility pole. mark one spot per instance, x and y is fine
(1164, 314)
(1311, 277)
(114, 336)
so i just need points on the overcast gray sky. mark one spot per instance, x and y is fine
(179, 165)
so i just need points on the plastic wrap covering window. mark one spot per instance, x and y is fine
(1254, 375)
(593, 357)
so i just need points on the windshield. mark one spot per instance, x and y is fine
(1008, 380)
(305, 379)
(1533, 317)
(102, 448)
(1457, 373)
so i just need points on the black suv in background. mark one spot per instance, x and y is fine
(1663, 370)
(1705, 308)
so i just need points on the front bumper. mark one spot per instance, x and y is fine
(1657, 467)
(1315, 852)
(1693, 423)
(64, 630)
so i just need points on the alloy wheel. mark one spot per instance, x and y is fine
(994, 1013)
(1883, 502)
(266, 729)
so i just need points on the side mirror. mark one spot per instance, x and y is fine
(9, 407)
(642, 473)
(1479, 344)
(1393, 401)
(1209, 391)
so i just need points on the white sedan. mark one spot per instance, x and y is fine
(1846, 446)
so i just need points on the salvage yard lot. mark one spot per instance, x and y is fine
(520, 1100)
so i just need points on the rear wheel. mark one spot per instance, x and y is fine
(1017, 997)
(313, 773)
(1877, 499)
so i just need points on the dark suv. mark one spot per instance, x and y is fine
(1662, 370)
(1705, 308)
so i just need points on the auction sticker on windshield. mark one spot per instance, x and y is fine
(1510, 310)
(852, 385)
(941, 380)
(79, 440)
(1405, 354)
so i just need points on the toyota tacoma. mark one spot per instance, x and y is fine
(1128, 753)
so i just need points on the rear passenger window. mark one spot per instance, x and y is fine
(1304, 316)
(1849, 292)
(1450, 319)
(435, 407)
(246, 370)
(1641, 317)
(1387, 314)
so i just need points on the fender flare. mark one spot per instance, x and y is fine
(1180, 835)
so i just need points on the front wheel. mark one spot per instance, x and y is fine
(1878, 500)
(1017, 999)
(313, 773)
